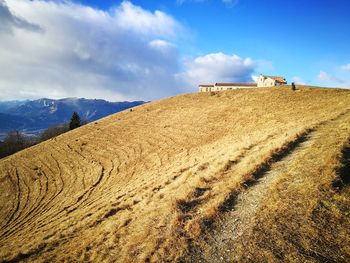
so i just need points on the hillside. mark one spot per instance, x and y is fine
(251, 175)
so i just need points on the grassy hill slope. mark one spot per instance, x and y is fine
(166, 180)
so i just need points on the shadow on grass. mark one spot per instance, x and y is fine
(344, 171)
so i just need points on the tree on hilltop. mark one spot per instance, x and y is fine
(75, 121)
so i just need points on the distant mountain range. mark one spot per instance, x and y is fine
(33, 116)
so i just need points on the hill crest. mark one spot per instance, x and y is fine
(148, 184)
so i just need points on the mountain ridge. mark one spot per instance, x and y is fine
(32, 116)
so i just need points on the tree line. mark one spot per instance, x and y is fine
(16, 141)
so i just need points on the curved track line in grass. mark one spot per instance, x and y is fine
(12, 213)
(31, 213)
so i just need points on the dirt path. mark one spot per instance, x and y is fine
(238, 220)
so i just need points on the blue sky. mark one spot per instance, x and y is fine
(298, 37)
(179, 43)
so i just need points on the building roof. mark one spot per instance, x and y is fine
(277, 78)
(206, 85)
(237, 84)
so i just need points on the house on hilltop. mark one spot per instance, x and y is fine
(206, 87)
(271, 81)
(263, 81)
(225, 86)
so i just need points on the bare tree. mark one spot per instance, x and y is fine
(13, 142)
(54, 131)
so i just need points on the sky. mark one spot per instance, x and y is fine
(148, 50)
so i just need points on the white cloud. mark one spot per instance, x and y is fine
(298, 80)
(180, 2)
(228, 3)
(332, 80)
(345, 67)
(131, 17)
(8, 21)
(124, 53)
(162, 46)
(218, 67)
(62, 49)
(255, 78)
(324, 76)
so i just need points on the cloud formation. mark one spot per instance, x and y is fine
(180, 2)
(326, 77)
(62, 49)
(124, 53)
(228, 3)
(8, 21)
(345, 67)
(218, 67)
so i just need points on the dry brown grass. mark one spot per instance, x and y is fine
(297, 212)
(143, 185)
(304, 218)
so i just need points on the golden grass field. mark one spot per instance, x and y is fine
(252, 175)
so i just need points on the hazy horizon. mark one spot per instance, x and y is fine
(65, 98)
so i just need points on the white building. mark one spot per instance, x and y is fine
(206, 87)
(263, 81)
(225, 86)
(271, 81)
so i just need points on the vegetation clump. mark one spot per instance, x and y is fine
(16, 141)
(75, 121)
(13, 142)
